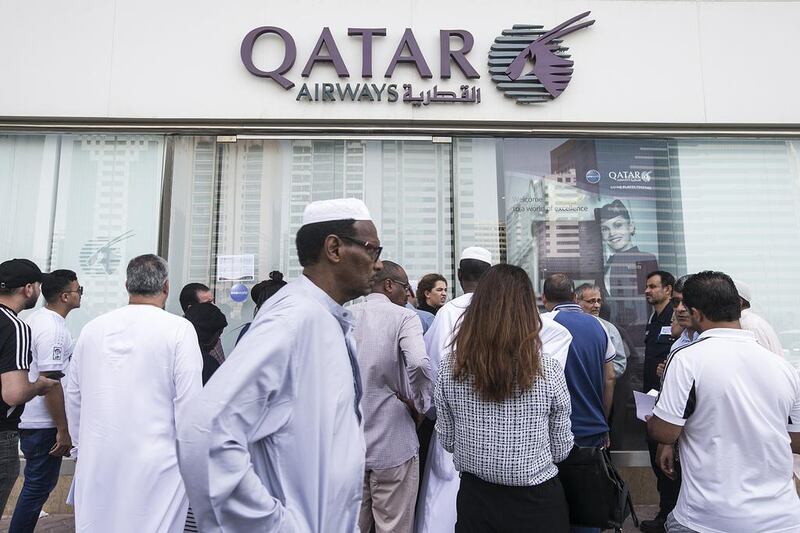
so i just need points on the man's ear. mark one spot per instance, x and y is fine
(544, 299)
(165, 288)
(28, 290)
(332, 249)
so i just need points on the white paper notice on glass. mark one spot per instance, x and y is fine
(645, 403)
(236, 267)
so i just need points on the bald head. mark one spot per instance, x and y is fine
(390, 270)
(392, 282)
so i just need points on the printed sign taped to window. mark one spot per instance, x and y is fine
(236, 267)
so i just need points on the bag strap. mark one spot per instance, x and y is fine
(629, 503)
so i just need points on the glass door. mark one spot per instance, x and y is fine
(242, 203)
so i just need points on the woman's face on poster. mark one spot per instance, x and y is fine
(617, 233)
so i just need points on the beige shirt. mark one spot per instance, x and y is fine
(392, 358)
(764, 333)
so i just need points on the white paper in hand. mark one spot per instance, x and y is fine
(644, 404)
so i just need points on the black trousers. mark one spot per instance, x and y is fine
(668, 489)
(484, 507)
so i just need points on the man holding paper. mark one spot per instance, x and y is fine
(736, 448)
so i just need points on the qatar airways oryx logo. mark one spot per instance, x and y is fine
(528, 63)
(551, 66)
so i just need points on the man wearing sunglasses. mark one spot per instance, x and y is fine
(681, 322)
(44, 436)
(397, 385)
(274, 442)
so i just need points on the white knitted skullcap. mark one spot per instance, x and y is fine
(337, 209)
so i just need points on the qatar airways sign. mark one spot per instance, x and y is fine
(526, 62)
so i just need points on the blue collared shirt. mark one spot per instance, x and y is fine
(589, 350)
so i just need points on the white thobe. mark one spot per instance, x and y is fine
(133, 373)
(273, 442)
(440, 481)
(764, 333)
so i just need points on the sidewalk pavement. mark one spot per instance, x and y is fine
(65, 523)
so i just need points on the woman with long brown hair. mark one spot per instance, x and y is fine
(503, 411)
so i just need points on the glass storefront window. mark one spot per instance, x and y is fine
(605, 211)
(609, 211)
(246, 200)
(87, 203)
(28, 170)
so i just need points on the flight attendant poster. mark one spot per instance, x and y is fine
(600, 211)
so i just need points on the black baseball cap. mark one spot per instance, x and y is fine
(18, 273)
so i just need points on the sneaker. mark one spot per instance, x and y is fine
(656, 525)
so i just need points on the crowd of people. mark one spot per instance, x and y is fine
(400, 412)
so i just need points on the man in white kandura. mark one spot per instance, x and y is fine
(750, 321)
(436, 511)
(133, 373)
(274, 442)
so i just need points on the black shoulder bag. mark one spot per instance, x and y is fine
(596, 494)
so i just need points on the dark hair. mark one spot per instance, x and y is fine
(311, 238)
(391, 270)
(613, 210)
(667, 279)
(208, 321)
(56, 282)
(471, 270)
(497, 343)
(558, 288)
(427, 283)
(266, 289)
(188, 296)
(678, 287)
(713, 294)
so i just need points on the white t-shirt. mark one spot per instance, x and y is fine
(52, 351)
(737, 403)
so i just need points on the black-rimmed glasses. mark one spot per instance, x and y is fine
(79, 290)
(676, 302)
(372, 250)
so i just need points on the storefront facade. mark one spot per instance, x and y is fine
(143, 127)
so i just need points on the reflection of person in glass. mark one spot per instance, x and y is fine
(626, 268)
